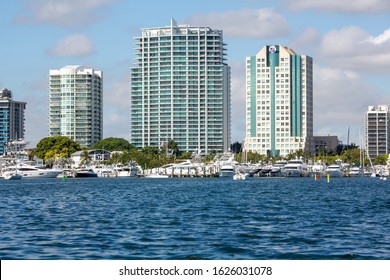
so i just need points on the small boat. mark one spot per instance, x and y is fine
(240, 176)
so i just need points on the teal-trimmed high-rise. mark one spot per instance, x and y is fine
(180, 89)
(279, 102)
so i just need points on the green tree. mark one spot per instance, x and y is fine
(113, 144)
(380, 160)
(55, 147)
(351, 156)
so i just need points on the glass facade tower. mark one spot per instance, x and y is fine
(279, 102)
(76, 104)
(180, 89)
(12, 120)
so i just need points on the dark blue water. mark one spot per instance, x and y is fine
(214, 218)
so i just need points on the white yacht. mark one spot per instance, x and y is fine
(355, 172)
(227, 165)
(227, 170)
(334, 170)
(295, 168)
(31, 171)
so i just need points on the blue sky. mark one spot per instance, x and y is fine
(350, 45)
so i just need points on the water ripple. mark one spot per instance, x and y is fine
(211, 218)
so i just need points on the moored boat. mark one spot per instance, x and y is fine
(31, 171)
(85, 173)
(295, 168)
(334, 170)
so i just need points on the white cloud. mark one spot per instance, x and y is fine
(356, 6)
(341, 98)
(260, 23)
(64, 12)
(116, 113)
(73, 45)
(380, 39)
(349, 48)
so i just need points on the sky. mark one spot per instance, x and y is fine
(349, 44)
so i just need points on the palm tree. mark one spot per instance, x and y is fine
(173, 147)
(85, 158)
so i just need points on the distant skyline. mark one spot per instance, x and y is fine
(349, 44)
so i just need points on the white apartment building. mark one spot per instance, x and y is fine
(377, 132)
(76, 104)
(279, 102)
(180, 89)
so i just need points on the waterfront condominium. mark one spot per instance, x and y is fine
(377, 132)
(279, 102)
(12, 120)
(180, 89)
(76, 104)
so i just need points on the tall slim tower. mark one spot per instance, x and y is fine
(377, 130)
(12, 121)
(279, 102)
(180, 89)
(76, 104)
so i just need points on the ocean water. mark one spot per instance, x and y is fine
(195, 218)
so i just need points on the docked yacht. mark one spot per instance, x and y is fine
(227, 165)
(334, 170)
(227, 170)
(32, 171)
(355, 172)
(295, 168)
(86, 173)
(277, 168)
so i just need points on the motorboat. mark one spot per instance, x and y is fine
(334, 170)
(295, 168)
(32, 171)
(85, 173)
(130, 170)
(227, 170)
(240, 176)
(355, 172)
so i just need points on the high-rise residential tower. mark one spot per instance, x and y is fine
(180, 89)
(12, 121)
(377, 131)
(76, 104)
(279, 102)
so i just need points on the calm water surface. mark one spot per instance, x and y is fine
(213, 218)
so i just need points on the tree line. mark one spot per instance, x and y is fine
(61, 147)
